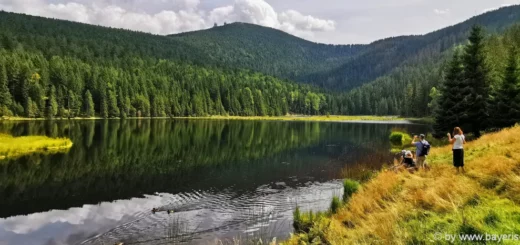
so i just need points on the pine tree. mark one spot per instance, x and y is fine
(51, 105)
(121, 102)
(113, 110)
(476, 81)
(5, 96)
(89, 107)
(507, 111)
(259, 103)
(103, 110)
(29, 108)
(448, 112)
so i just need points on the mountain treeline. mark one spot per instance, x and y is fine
(32, 85)
(388, 57)
(413, 89)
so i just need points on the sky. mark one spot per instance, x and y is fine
(324, 21)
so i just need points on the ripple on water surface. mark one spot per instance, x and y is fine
(201, 217)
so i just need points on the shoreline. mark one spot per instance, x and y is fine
(338, 119)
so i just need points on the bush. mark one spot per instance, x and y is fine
(334, 205)
(349, 187)
(398, 138)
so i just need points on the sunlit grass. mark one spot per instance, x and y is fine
(304, 118)
(405, 208)
(11, 147)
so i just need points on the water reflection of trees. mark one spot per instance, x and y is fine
(114, 159)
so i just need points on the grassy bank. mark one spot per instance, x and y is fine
(274, 118)
(421, 208)
(11, 147)
(306, 118)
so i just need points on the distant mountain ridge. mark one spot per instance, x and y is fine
(267, 49)
(335, 67)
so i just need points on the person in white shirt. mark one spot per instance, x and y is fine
(458, 142)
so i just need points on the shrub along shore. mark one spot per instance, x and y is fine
(424, 207)
(12, 147)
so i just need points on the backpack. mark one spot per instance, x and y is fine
(425, 148)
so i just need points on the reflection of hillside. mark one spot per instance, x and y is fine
(122, 159)
(112, 153)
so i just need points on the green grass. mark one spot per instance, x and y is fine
(335, 204)
(12, 147)
(349, 188)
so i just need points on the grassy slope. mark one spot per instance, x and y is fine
(17, 146)
(404, 208)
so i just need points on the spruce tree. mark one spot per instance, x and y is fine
(121, 103)
(5, 96)
(89, 104)
(103, 110)
(51, 105)
(476, 81)
(448, 110)
(507, 99)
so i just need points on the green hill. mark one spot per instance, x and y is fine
(268, 50)
(332, 66)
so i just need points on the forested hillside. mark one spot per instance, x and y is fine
(268, 50)
(32, 85)
(334, 67)
(409, 89)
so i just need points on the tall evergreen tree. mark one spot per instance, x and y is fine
(103, 110)
(476, 81)
(448, 110)
(51, 105)
(5, 96)
(507, 99)
(121, 103)
(89, 107)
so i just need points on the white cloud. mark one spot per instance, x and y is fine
(176, 16)
(441, 11)
(307, 22)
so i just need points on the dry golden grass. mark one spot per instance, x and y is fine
(405, 208)
(11, 147)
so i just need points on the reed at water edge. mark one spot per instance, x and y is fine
(12, 147)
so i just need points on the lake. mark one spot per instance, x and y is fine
(224, 180)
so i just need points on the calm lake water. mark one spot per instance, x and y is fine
(223, 179)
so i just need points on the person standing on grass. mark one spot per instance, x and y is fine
(458, 142)
(422, 150)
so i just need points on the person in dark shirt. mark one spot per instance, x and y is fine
(408, 160)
